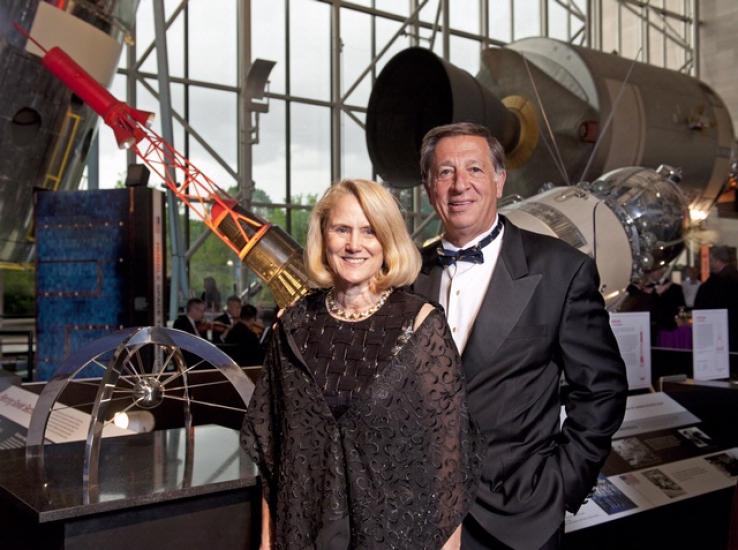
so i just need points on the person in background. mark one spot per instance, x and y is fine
(720, 289)
(690, 285)
(211, 295)
(227, 319)
(243, 343)
(661, 297)
(252, 320)
(192, 319)
(525, 311)
(358, 422)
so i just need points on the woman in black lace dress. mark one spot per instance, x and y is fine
(359, 422)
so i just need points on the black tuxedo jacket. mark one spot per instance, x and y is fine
(541, 316)
(183, 323)
(223, 318)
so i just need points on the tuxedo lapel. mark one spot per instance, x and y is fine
(428, 282)
(509, 292)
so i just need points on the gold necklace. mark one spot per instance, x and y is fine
(335, 309)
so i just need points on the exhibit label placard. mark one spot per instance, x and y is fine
(710, 344)
(632, 331)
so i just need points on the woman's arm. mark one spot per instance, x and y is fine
(266, 532)
(454, 541)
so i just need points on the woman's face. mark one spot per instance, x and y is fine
(352, 250)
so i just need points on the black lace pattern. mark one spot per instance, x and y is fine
(397, 470)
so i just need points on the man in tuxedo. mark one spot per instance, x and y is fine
(523, 310)
(225, 321)
(195, 313)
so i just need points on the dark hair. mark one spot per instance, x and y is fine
(721, 253)
(248, 312)
(233, 298)
(431, 139)
(193, 302)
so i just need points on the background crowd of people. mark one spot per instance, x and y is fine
(238, 330)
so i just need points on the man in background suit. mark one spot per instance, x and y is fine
(195, 313)
(523, 309)
(720, 290)
(227, 319)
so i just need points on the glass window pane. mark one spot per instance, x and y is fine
(212, 41)
(429, 11)
(631, 35)
(527, 19)
(557, 18)
(300, 218)
(113, 161)
(268, 38)
(145, 35)
(213, 115)
(656, 45)
(270, 154)
(393, 6)
(355, 55)
(175, 46)
(499, 20)
(609, 26)
(386, 29)
(675, 54)
(464, 15)
(212, 259)
(465, 54)
(310, 56)
(355, 161)
(310, 149)
(147, 102)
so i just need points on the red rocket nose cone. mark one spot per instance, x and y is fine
(220, 207)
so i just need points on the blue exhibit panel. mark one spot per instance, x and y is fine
(80, 271)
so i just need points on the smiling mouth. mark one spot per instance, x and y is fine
(459, 204)
(353, 260)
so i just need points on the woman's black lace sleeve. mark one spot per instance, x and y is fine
(451, 464)
(257, 433)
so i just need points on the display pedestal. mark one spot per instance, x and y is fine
(151, 494)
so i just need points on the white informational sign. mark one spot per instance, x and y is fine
(626, 494)
(710, 344)
(632, 331)
(65, 423)
(651, 412)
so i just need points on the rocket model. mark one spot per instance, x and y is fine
(266, 249)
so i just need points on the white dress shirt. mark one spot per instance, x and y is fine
(464, 284)
(194, 325)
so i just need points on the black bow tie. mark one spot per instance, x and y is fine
(472, 254)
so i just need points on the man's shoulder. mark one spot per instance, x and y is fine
(430, 246)
(181, 321)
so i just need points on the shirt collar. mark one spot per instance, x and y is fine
(472, 242)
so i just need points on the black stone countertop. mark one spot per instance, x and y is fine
(135, 470)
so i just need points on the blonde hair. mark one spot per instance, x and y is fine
(401, 256)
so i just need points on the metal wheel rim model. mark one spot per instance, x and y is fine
(144, 389)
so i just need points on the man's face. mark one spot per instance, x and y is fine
(234, 308)
(464, 187)
(197, 312)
